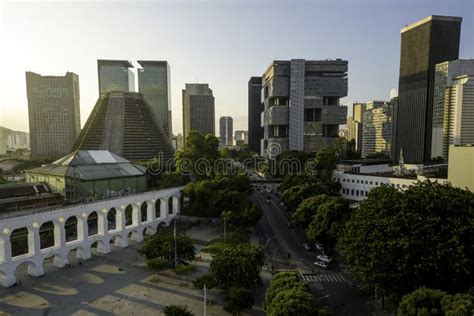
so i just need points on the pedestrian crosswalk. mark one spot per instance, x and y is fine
(333, 277)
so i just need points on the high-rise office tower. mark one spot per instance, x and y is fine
(198, 109)
(241, 138)
(154, 84)
(377, 128)
(255, 109)
(354, 125)
(445, 73)
(458, 115)
(226, 128)
(301, 101)
(425, 43)
(115, 75)
(54, 114)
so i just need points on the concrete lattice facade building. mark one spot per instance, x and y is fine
(154, 84)
(377, 128)
(226, 128)
(54, 114)
(301, 104)
(198, 109)
(445, 75)
(424, 44)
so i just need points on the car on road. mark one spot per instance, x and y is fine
(323, 258)
(307, 247)
(268, 200)
(321, 264)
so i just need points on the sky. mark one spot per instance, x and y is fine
(222, 43)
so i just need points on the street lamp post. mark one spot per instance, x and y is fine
(175, 243)
(205, 299)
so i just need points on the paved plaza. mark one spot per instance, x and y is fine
(117, 283)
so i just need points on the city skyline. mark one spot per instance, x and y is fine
(373, 73)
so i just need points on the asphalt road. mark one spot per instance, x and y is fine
(331, 286)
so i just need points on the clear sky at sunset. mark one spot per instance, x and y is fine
(222, 43)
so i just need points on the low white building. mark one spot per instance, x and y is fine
(357, 181)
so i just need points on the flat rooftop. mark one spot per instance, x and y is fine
(432, 18)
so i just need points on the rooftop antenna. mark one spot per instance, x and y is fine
(197, 80)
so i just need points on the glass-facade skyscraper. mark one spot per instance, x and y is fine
(198, 109)
(424, 44)
(154, 84)
(115, 75)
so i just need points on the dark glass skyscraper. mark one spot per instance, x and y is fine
(115, 75)
(423, 44)
(154, 84)
(255, 109)
(198, 109)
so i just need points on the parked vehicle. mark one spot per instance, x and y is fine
(324, 258)
(321, 264)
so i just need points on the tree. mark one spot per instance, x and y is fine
(288, 295)
(295, 195)
(307, 209)
(156, 264)
(431, 302)
(293, 302)
(238, 299)
(458, 304)
(329, 221)
(210, 197)
(423, 236)
(177, 310)
(422, 301)
(198, 155)
(325, 163)
(282, 281)
(163, 246)
(237, 267)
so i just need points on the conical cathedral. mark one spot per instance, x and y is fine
(122, 123)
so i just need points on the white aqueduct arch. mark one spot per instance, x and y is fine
(157, 203)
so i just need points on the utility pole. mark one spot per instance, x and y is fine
(205, 300)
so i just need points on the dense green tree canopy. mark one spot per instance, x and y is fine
(329, 221)
(423, 236)
(198, 155)
(293, 301)
(162, 246)
(236, 267)
(238, 299)
(177, 310)
(307, 209)
(212, 197)
(430, 302)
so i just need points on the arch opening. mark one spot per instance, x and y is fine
(144, 211)
(19, 242)
(70, 226)
(46, 235)
(170, 205)
(112, 219)
(93, 224)
(158, 208)
(129, 215)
